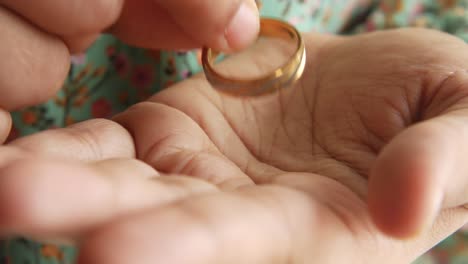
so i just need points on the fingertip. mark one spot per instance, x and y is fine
(399, 218)
(242, 30)
(224, 25)
(404, 196)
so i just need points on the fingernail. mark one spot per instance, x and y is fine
(243, 28)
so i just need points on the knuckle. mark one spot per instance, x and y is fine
(102, 139)
(33, 66)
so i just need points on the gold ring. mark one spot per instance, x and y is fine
(282, 77)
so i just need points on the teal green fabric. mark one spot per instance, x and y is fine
(111, 76)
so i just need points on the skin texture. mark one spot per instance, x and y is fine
(363, 156)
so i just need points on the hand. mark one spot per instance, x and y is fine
(367, 149)
(38, 37)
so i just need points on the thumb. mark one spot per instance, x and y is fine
(406, 183)
(421, 171)
(225, 25)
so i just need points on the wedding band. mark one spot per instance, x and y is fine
(282, 77)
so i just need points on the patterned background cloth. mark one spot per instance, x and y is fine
(111, 76)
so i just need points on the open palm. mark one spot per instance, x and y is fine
(369, 142)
